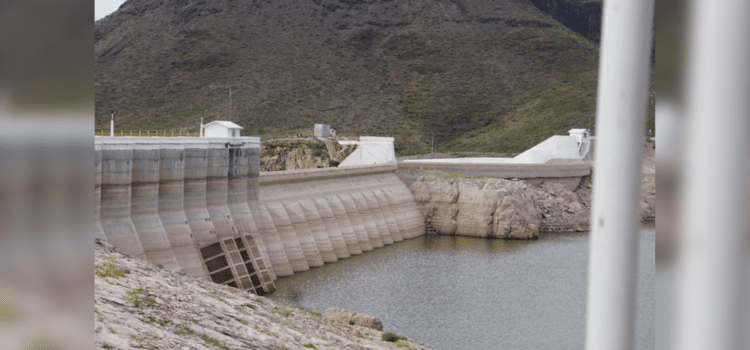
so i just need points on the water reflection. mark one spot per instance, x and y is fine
(472, 293)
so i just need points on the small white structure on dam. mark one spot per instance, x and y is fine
(221, 128)
(322, 131)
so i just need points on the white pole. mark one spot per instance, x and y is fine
(712, 272)
(622, 103)
(200, 131)
(112, 125)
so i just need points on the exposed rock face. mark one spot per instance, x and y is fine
(138, 305)
(564, 211)
(494, 208)
(344, 316)
(295, 153)
(648, 201)
(499, 208)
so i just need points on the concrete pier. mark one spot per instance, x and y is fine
(355, 217)
(145, 206)
(217, 183)
(271, 238)
(115, 203)
(344, 223)
(289, 240)
(196, 168)
(98, 230)
(172, 208)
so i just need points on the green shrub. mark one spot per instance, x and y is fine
(309, 345)
(214, 342)
(163, 322)
(403, 344)
(105, 345)
(391, 337)
(182, 329)
(137, 297)
(352, 322)
(108, 269)
(313, 313)
(282, 312)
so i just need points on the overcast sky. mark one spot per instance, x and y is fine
(104, 7)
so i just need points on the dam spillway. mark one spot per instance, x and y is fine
(202, 207)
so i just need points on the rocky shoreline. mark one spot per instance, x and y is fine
(138, 305)
(512, 209)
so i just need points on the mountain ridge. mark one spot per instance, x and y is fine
(491, 76)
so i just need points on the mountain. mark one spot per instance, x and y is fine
(480, 75)
(582, 16)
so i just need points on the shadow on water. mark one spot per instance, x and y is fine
(459, 243)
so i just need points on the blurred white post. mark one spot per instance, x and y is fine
(712, 275)
(112, 125)
(622, 104)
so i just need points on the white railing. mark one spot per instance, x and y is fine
(148, 133)
(622, 101)
(712, 272)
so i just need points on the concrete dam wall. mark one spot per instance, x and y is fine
(201, 206)
(322, 215)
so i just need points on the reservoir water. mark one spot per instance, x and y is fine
(469, 293)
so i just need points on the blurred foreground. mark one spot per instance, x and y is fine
(46, 181)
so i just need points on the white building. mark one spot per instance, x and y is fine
(322, 130)
(221, 128)
(371, 150)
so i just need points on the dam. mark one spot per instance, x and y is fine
(202, 207)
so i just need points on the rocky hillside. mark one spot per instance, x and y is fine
(481, 75)
(138, 305)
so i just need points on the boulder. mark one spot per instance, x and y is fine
(345, 316)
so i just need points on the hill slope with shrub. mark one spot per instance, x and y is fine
(483, 75)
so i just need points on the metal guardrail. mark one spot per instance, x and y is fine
(148, 133)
